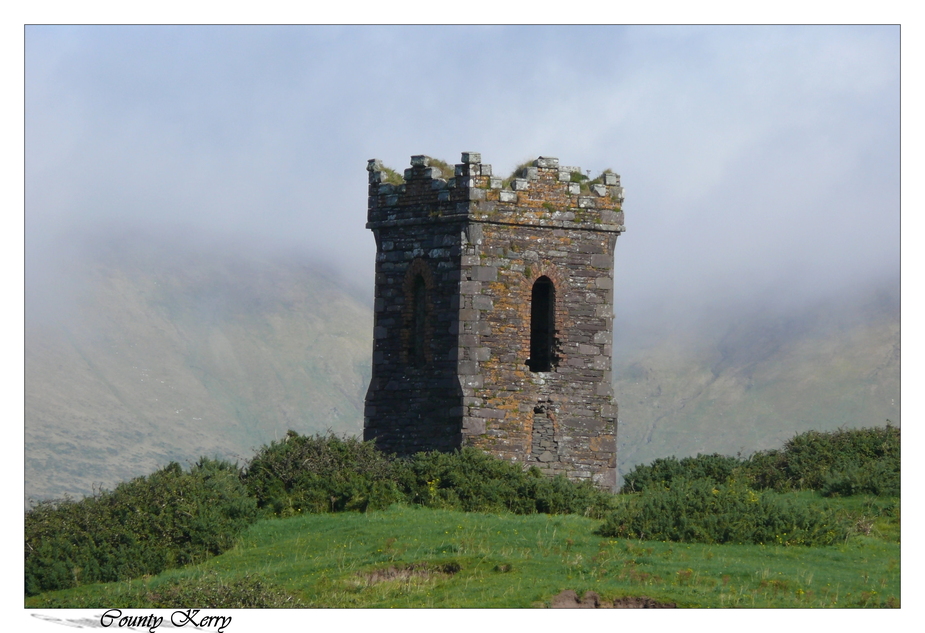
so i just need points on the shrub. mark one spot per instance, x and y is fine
(845, 462)
(703, 512)
(880, 478)
(320, 474)
(815, 460)
(329, 474)
(144, 526)
(473, 481)
(662, 472)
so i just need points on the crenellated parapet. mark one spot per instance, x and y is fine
(544, 194)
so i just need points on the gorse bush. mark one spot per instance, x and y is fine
(167, 519)
(321, 474)
(329, 474)
(701, 511)
(814, 460)
(661, 472)
(846, 462)
(473, 481)
(880, 478)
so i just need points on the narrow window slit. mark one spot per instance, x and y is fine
(542, 325)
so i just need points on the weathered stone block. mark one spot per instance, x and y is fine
(483, 303)
(482, 353)
(474, 426)
(488, 413)
(602, 261)
(468, 368)
(485, 273)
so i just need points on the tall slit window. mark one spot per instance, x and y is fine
(542, 325)
(418, 321)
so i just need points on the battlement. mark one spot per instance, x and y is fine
(542, 194)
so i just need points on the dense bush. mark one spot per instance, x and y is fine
(330, 474)
(703, 512)
(661, 472)
(167, 519)
(473, 481)
(321, 474)
(845, 462)
(817, 461)
(879, 478)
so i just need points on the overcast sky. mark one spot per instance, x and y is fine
(757, 161)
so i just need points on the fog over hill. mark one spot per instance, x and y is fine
(747, 381)
(169, 351)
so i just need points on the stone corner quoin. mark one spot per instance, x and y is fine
(494, 314)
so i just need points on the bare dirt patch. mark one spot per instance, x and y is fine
(410, 571)
(568, 599)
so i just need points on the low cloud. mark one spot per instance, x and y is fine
(761, 163)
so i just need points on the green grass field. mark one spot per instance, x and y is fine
(418, 557)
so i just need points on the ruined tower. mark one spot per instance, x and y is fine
(494, 314)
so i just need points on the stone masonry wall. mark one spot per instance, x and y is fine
(485, 247)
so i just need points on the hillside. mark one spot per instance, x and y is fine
(169, 353)
(410, 557)
(752, 383)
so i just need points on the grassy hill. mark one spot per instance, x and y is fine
(419, 557)
(326, 522)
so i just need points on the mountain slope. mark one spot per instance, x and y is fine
(753, 384)
(168, 355)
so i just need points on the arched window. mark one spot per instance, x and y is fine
(418, 321)
(542, 325)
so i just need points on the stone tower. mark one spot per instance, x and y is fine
(494, 314)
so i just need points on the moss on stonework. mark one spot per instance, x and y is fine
(448, 170)
(392, 177)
